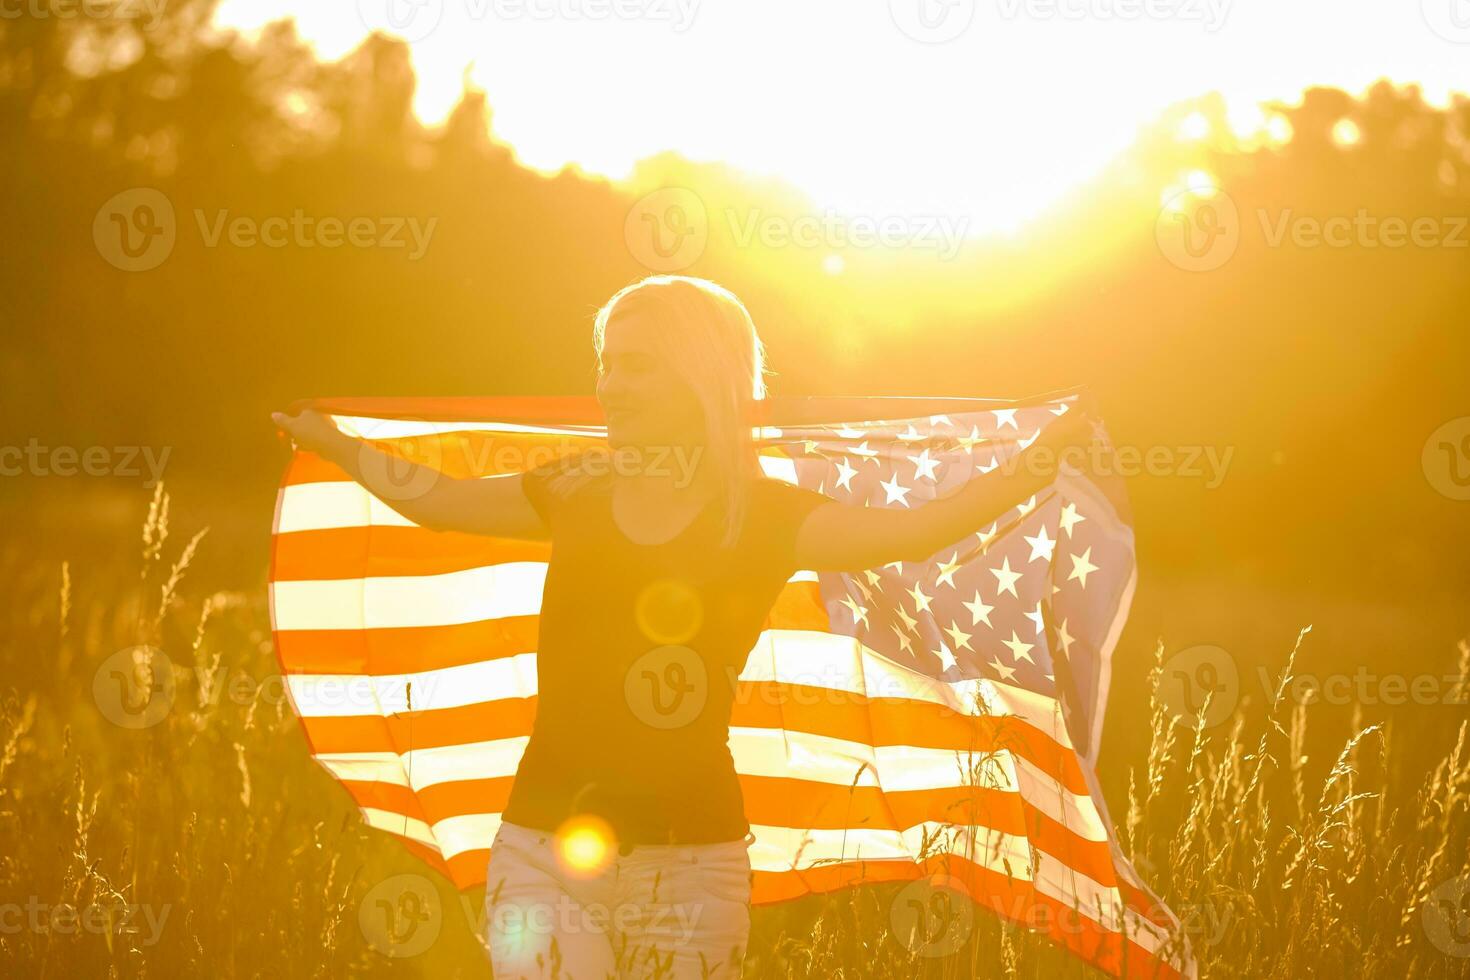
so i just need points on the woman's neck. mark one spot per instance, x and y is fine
(669, 473)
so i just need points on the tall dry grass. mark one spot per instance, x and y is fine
(209, 844)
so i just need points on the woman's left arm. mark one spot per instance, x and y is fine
(838, 537)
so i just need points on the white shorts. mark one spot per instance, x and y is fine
(666, 910)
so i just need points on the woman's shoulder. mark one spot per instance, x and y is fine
(572, 472)
(786, 495)
(780, 485)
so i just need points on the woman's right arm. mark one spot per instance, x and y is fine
(495, 506)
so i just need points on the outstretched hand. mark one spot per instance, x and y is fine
(309, 428)
(1074, 428)
(1086, 404)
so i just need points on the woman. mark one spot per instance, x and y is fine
(623, 847)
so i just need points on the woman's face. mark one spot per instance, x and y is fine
(647, 401)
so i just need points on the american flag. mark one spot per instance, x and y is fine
(935, 719)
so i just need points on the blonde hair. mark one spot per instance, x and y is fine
(707, 334)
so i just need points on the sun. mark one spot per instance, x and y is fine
(986, 131)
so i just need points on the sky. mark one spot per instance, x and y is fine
(985, 111)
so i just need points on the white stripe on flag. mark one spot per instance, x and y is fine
(328, 505)
(364, 427)
(814, 658)
(777, 753)
(449, 599)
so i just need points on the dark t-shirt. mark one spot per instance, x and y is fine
(638, 653)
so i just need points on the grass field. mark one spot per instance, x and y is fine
(210, 844)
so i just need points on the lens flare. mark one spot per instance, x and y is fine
(669, 611)
(1346, 133)
(1201, 183)
(1278, 129)
(1194, 127)
(584, 845)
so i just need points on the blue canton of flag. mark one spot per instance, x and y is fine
(1034, 599)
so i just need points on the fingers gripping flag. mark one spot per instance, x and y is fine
(933, 720)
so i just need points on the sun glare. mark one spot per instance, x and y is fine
(1201, 184)
(1346, 133)
(1279, 130)
(1246, 120)
(1194, 127)
(987, 130)
(584, 845)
